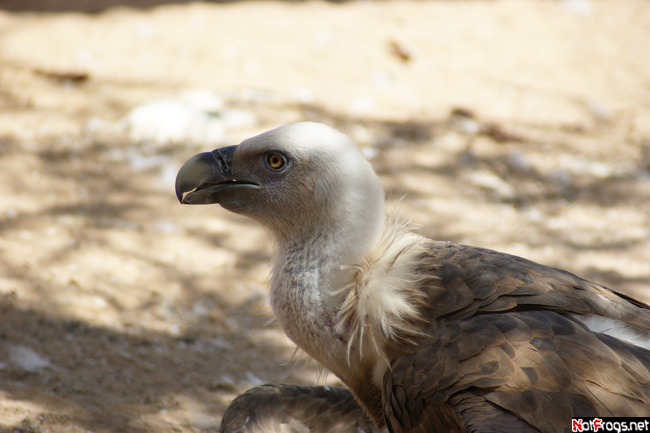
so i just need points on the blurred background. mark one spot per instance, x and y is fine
(517, 125)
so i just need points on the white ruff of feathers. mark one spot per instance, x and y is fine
(383, 303)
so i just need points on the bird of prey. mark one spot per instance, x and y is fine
(427, 336)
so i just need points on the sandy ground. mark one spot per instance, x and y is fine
(518, 125)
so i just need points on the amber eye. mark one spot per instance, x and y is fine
(276, 161)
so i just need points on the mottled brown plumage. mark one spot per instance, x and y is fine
(428, 336)
(501, 341)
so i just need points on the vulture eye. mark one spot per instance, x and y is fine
(276, 161)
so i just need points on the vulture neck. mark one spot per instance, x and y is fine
(314, 262)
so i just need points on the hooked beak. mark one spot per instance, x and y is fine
(207, 178)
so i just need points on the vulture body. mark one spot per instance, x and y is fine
(428, 336)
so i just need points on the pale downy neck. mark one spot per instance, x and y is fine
(311, 265)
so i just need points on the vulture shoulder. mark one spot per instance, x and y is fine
(427, 335)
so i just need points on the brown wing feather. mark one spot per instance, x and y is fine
(320, 409)
(476, 280)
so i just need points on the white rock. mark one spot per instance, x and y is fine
(26, 359)
(369, 152)
(303, 95)
(165, 226)
(491, 181)
(252, 380)
(578, 7)
(192, 117)
(203, 421)
(167, 176)
(139, 162)
(173, 122)
(362, 105)
(518, 161)
(236, 119)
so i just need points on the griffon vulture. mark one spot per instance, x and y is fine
(428, 336)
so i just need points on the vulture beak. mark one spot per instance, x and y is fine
(208, 178)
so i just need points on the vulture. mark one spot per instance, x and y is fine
(427, 335)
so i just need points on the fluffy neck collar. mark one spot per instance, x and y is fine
(345, 313)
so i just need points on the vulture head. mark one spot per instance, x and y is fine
(302, 182)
